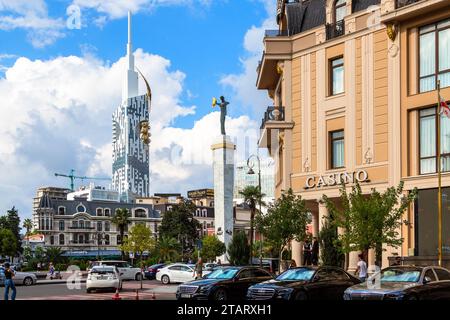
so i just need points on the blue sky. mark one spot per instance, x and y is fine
(59, 87)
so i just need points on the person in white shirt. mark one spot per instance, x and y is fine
(361, 269)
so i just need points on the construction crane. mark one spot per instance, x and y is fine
(72, 178)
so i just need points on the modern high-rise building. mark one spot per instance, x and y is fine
(131, 172)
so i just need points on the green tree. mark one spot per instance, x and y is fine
(12, 222)
(179, 223)
(8, 243)
(28, 225)
(238, 249)
(121, 219)
(285, 221)
(370, 220)
(140, 240)
(212, 248)
(53, 255)
(167, 248)
(39, 254)
(27, 254)
(252, 196)
(331, 252)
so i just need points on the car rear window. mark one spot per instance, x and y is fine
(102, 270)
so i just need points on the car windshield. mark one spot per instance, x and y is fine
(296, 274)
(400, 275)
(222, 274)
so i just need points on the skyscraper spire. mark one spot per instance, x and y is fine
(130, 87)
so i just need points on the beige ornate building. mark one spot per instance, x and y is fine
(353, 84)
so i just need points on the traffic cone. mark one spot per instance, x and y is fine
(137, 294)
(116, 295)
(153, 296)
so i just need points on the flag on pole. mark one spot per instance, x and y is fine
(444, 108)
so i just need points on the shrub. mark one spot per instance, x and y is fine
(239, 249)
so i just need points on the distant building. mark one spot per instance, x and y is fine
(83, 227)
(242, 179)
(53, 193)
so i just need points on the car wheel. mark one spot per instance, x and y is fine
(220, 295)
(301, 296)
(138, 277)
(27, 281)
(165, 279)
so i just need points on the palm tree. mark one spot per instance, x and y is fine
(252, 196)
(167, 248)
(121, 219)
(28, 224)
(53, 255)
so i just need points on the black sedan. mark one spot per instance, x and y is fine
(304, 283)
(404, 283)
(150, 272)
(227, 283)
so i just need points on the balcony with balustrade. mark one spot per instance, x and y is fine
(274, 119)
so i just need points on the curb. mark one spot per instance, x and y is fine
(44, 282)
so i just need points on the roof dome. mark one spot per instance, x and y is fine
(45, 201)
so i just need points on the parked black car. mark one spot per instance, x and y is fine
(226, 283)
(404, 283)
(150, 272)
(305, 283)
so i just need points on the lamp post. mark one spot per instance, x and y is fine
(100, 237)
(251, 172)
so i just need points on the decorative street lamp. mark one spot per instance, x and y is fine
(100, 237)
(250, 165)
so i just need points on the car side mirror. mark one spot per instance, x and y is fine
(426, 280)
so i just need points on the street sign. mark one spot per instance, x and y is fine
(199, 244)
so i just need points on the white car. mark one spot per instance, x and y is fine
(177, 273)
(126, 271)
(103, 277)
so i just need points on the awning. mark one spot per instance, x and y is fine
(91, 253)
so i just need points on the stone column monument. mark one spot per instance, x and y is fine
(223, 165)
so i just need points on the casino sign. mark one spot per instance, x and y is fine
(334, 179)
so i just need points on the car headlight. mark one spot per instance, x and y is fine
(394, 296)
(284, 293)
(204, 289)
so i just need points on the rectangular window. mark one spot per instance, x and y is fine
(428, 141)
(337, 149)
(99, 226)
(61, 226)
(434, 57)
(336, 76)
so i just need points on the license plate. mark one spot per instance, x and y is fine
(186, 296)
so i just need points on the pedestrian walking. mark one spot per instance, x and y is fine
(198, 269)
(315, 252)
(9, 282)
(219, 263)
(361, 269)
(307, 253)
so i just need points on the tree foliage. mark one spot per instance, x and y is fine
(167, 249)
(121, 219)
(28, 225)
(139, 240)
(8, 243)
(54, 255)
(252, 197)
(11, 221)
(370, 221)
(212, 248)
(238, 249)
(179, 223)
(285, 221)
(331, 252)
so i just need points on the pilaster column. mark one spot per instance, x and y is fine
(353, 261)
(315, 223)
(296, 252)
(323, 213)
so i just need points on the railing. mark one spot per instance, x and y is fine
(82, 242)
(335, 30)
(80, 228)
(404, 3)
(276, 33)
(273, 114)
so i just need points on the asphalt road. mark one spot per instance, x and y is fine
(152, 290)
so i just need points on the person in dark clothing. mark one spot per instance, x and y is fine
(9, 282)
(307, 253)
(315, 252)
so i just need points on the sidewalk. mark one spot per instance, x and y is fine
(65, 276)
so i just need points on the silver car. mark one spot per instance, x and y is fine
(20, 278)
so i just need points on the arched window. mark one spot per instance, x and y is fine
(107, 212)
(107, 240)
(205, 212)
(61, 211)
(61, 239)
(339, 10)
(81, 239)
(140, 213)
(99, 212)
(197, 212)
